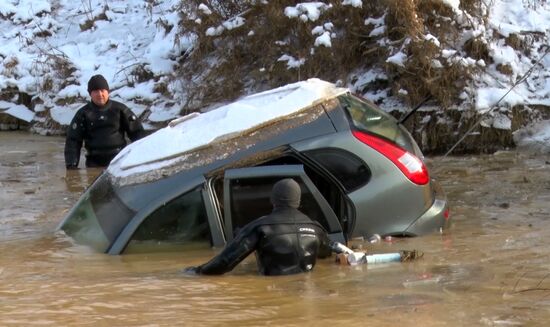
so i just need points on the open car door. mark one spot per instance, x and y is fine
(247, 191)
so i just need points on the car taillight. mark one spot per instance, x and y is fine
(409, 164)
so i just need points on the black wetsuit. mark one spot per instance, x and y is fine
(102, 130)
(286, 242)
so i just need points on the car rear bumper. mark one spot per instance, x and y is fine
(436, 218)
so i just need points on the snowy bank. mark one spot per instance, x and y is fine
(122, 40)
(50, 50)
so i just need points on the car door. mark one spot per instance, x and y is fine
(181, 216)
(247, 192)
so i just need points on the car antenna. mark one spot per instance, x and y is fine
(413, 110)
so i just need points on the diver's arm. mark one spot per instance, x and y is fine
(131, 124)
(74, 139)
(327, 246)
(239, 248)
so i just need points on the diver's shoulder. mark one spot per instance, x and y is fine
(118, 104)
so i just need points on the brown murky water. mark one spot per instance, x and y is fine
(490, 269)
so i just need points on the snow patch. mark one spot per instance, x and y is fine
(398, 59)
(353, 3)
(310, 11)
(292, 62)
(164, 145)
(535, 136)
(16, 110)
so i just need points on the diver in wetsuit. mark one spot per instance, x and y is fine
(286, 241)
(102, 125)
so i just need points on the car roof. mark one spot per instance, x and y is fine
(183, 137)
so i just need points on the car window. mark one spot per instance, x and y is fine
(98, 217)
(347, 168)
(365, 116)
(250, 199)
(83, 226)
(182, 221)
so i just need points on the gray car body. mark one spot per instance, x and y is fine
(388, 204)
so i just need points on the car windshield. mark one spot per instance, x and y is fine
(365, 116)
(98, 217)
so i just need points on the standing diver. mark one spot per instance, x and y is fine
(286, 241)
(102, 125)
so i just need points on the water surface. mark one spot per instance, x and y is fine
(490, 269)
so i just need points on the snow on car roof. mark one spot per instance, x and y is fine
(197, 130)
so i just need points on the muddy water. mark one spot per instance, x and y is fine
(490, 269)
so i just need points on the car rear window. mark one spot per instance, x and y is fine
(346, 167)
(367, 117)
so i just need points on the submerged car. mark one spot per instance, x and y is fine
(204, 176)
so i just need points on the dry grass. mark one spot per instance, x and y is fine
(162, 88)
(403, 20)
(521, 42)
(441, 132)
(90, 22)
(8, 93)
(248, 57)
(245, 56)
(54, 71)
(475, 7)
(7, 17)
(476, 48)
(505, 69)
(63, 70)
(426, 72)
(139, 74)
(13, 94)
(10, 65)
(222, 67)
(47, 84)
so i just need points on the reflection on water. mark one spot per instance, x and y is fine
(78, 180)
(490, 269)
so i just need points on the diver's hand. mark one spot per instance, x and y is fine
(193, 270)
